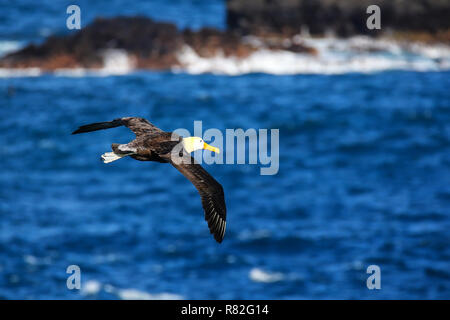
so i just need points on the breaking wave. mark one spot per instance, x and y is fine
(259, 275)
(334, 56)
(115, 62)
(93, 288)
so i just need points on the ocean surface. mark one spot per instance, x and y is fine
(364, 177)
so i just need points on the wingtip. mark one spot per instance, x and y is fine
(219, 236)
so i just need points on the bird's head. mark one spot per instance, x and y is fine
(192, 144)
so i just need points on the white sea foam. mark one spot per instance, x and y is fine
(259, 275)
(91, 287)
(94, 287)
(133, 294)
(334, 56)
(117, 61)
(20, 73)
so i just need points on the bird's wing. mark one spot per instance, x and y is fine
(211, 193)
(140, 125)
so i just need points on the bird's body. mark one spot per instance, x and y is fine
(153, 144)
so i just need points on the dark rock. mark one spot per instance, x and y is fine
(208, 42)
(151, 45)
(341, 17)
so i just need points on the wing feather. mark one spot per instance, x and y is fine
(211, 193)
(140, 126)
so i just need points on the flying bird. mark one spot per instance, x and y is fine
(154, 144)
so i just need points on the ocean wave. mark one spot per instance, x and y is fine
(335, 56)
(67, 73)
(133, 294)
(259, 275)
(94, 287)
(91, 287)
(115, 62)
(20, 73)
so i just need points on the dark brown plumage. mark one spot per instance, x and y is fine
(153, 144)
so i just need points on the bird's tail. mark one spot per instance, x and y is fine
(99, 126)
(111, 156)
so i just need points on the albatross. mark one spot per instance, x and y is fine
(154, 144)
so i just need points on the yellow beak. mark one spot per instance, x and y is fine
(211, 148)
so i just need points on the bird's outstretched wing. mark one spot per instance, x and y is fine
(211, 193)
(139, 126)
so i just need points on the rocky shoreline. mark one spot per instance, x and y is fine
(252, 25)
(149, 44)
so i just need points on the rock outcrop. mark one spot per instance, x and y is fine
(341, 17)
(251, 25)
(149, 44)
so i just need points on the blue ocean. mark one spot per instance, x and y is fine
(364, 177)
